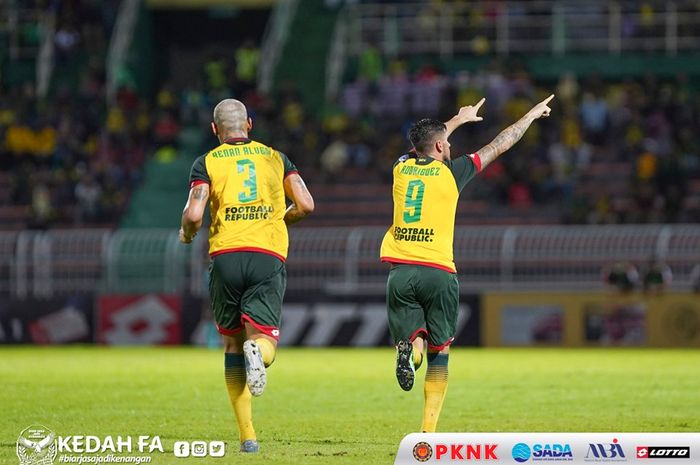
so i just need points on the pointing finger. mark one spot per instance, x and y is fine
(548, 99)
(481, 102)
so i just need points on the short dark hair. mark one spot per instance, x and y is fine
(422, 134)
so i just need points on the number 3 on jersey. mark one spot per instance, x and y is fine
(414, 201)
(250, 184)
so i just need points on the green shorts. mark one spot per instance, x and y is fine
(247, 287)
(422, 300)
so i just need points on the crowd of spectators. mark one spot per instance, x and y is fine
(55, 155)
(612, 152)
(74, 158)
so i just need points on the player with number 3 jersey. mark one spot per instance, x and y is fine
(246, 184)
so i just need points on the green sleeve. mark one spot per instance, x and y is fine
(198, 173)
(463, 169)
(289, 167)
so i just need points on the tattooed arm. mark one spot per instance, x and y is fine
(193, 213)
(512, 134)
(467, 114)
(302, 202)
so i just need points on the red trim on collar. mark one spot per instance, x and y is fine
(237, 140)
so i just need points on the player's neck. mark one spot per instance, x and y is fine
(233, 135)
(436, 156)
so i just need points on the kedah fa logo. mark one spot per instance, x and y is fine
(36, 445)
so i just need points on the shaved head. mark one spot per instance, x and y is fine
(230, 115)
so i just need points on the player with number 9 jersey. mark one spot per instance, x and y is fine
(422, 294)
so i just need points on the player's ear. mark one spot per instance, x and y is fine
(439, 146)
(214, 129)
(250, 124)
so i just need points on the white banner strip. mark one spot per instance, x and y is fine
(550, 448)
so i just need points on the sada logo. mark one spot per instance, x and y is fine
(422, 451)
(36, 445)
(602, 452)
(521, 452)
(542, 452)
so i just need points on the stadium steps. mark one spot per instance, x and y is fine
(303, 60)
(158, 202)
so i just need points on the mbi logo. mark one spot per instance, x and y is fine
(542, 452)
(605, 452)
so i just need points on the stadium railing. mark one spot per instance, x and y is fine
(339, 261)
(550, 27)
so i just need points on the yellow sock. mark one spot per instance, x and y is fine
(434, 390)
(267, 350)
(239, 395)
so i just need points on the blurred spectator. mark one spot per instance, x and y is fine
(370, 64)
(216, 74)
(247, 58)
(519, 195)
(87, 193)
(334, 157)
(594, 117)
(622, 277)
(657, 277)
(66, 39)
(695, 278)
(42, 210)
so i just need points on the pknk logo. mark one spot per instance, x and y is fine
(466, 451)
(663, 452)
(422, 451)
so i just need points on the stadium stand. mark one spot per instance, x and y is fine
(87, 155)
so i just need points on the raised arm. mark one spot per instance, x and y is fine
(512, 134)
(467, 114)
(193, 212)
(302, 202)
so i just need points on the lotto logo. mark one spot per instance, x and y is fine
(661, 452)
(183, 449)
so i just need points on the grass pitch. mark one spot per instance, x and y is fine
(340, 406)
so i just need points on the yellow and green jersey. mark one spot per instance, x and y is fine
(246, 197)
(425, 194)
